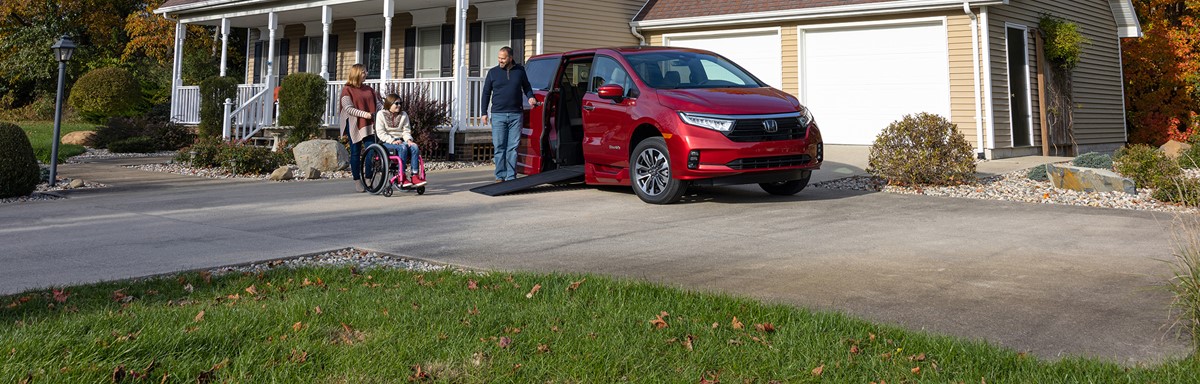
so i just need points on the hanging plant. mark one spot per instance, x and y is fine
(1064, 42)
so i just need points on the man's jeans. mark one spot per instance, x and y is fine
(506, 133)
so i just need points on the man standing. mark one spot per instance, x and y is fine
(506, 86)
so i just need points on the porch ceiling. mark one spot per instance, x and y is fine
(295, 12)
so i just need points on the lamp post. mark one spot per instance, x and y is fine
(63, 49)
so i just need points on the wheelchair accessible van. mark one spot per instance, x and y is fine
(383, 172)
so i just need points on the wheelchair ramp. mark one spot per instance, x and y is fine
(571, 173)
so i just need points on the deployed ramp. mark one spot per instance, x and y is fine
(564, 174)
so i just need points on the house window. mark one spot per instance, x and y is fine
(429, 52)
(314, 55)
(372, 54)
(496, 34)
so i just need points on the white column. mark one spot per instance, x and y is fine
(458, 108)
(385, 68)
(224, 43)
(541, 15)
(326, 29)
(988, 99)
(177, 69)
(269, 107)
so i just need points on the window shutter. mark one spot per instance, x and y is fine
(303, 63)
(518, 40)
(283, 59)
(333, 57)
(475, 34)
(410, 53)
(447, 50)
(258, 61)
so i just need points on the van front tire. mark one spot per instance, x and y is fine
(650, 173)
(787, 188)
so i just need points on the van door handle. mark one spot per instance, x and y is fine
(589, 108)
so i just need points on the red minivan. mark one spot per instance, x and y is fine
(661, 119)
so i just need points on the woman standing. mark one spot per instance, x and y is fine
(359, 103)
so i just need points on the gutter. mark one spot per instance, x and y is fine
(811, 13)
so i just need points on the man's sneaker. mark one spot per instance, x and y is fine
(419, 181)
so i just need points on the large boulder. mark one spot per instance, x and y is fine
(1088, 179)
(324, 155)
(79, 138)
(282, 173)
(1173, 148)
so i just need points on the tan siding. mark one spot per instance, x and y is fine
(962, 76)
(344, 29)
(578, 24)
(1099, 107)
(527, 9)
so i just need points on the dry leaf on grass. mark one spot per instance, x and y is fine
(60, 296)
(659, 322)
(854, 350)
(687, 342)
(818, 370)
(765, 327)
(543, 348)
(737, 324)
(472, 285)
(317, 309)
(251, 290)
(504, 342)
(298, 326)
(575, 285)
(536, 288)
(916, 370)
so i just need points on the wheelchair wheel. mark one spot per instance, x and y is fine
(387, 191)
(421, 190)
(375, 175)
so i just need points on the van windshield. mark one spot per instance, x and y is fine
(685, 70)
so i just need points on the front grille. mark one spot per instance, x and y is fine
(769, 162)
(752, 130)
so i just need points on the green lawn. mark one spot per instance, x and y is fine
(333, 325)
(41, 135)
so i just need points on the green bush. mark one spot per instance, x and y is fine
(922, 149)
(1038, 173)
(1182, 190)
(1063, 41)
(140, 144)
(213, 92)
(164, 134)
(1190, 159)
(105, 92)
(1093, 160)
(1146, 165)
(168, 135)
(247, 159)
(19, 173)
(204, 153)
(302, 98)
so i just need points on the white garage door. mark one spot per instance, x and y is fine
(858, 80)
(758, 51)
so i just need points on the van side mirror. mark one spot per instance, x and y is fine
(612, 92)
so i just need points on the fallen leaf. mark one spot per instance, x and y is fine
(536, 288)
(251, 290)
(818, 370)
(318, 309)
(765, 327)
(189, 288)
(854, 350)
(735, 342)
(418, 374)
(199, 317)
(60, 296)
(474, 311)
(207, 276)
(659, 322)
(298, 326)
(916, 370)
(711, 378)
(543, 348)
(504, 342)
(687, 342)
(472, 285)
(715, 325)
(119, 296)
(871, 336)
(737, 324)
(575, 285)
(118, 374)
(920, 357)
(298, 356)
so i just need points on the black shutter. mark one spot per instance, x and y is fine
(258, 61)
(410, 53)
(283, 59)
(518, 40)
(303, 64)
(333, 57)
(475, 34)
(447, 50)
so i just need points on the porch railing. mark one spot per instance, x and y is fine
(440, 88)
(188, 107)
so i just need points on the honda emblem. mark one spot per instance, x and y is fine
(770, 126)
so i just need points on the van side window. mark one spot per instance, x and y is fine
(540, 71)
(606, 70)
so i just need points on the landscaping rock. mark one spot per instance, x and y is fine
(282, 173)
(324, 155)
(312, 173)
(1088, 179)
(75, 183)
(1173, 148)
(79, 138)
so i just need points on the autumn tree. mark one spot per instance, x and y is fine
(1162, 71)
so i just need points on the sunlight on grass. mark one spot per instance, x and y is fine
(41, 134)
(339, 325)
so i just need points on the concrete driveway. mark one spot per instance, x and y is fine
(1051, 280)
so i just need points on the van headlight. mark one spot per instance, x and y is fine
(705, 121)
(806, 118)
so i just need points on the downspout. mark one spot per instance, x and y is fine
(975, 70)
(634, 31)
(987, 81)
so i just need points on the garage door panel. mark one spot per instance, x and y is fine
(759, 52)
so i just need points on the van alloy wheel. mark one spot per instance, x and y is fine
(651, 173)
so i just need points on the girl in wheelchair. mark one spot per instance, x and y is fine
(394, 131)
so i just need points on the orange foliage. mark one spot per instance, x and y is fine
(153, 36)
(1162, 72)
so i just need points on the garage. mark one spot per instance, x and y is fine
(858, 79)
(748, 48)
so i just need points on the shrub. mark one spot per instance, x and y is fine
(1146, 165)
(167, 135)
(213, 92)
(204, 153)
(1038, 173)
(139, 144)
(1190, 159)
(1064, 42)
(117, 129)
(247, 159)
(922, 149)
(104, 93)
(1182, 190)
(19, 173)
(1093, 160)
(164, 134)
(302, 98)
(425, 113)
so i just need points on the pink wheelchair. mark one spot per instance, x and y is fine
(383, 172)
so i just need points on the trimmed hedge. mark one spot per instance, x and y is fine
(302, 99)
(104, 93)
(213, 92)
(140, 144)
(922, 149)
(19, 173)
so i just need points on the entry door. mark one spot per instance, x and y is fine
(372, 53)
(1018, 87)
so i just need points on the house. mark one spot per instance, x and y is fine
(443, 46)
(860, 64)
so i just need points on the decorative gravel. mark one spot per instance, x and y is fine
(221, 173)
(1014, 186)
(99, 153)
(45, 192)
(343, 258)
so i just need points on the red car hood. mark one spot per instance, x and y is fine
(729, 101)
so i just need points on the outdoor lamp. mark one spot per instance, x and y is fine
(63, 49)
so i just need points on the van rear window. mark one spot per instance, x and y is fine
(540, 71)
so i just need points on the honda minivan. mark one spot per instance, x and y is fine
(662, 119)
